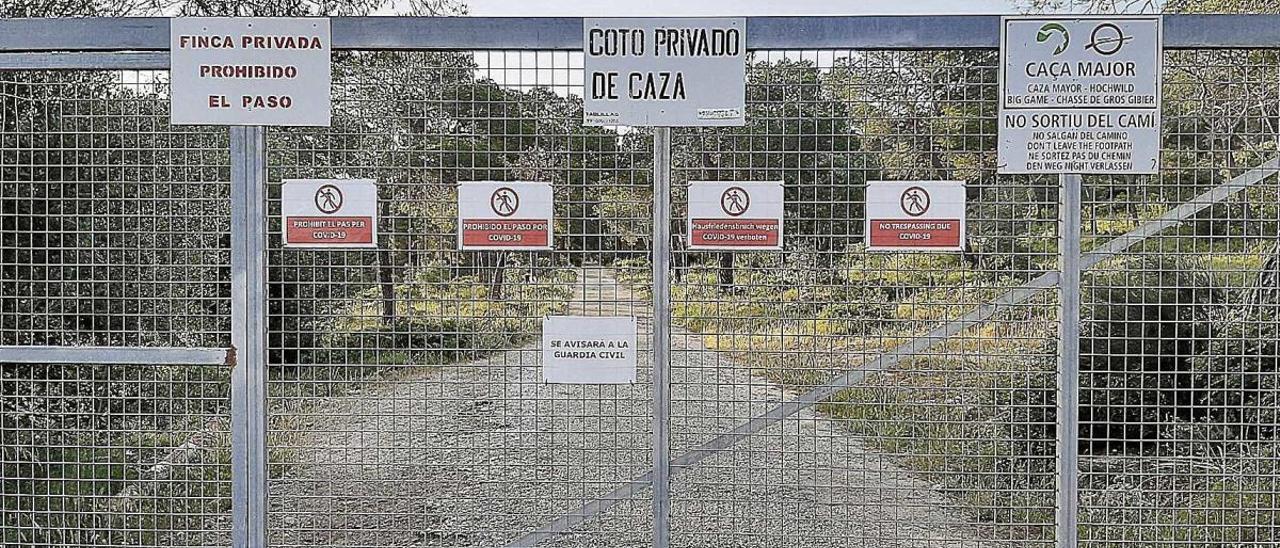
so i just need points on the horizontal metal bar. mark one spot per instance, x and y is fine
(565, 33)
(85, 34)
(875, 32)
(83, 60)
(457, 32)
(1221, 31)
(114, 355)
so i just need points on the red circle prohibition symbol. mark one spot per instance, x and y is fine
(735, 201)
(504, 202)
(328, 199)
(915, 201)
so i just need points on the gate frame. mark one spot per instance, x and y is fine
(143, 43)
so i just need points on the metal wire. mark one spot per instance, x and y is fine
(1179, 355)
(932, 452)
(114, 221)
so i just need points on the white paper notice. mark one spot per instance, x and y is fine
(589, 349)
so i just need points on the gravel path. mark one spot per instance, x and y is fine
(474, 454)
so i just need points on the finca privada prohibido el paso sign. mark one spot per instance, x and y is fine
(250, 71)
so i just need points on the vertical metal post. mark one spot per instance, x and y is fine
(661, 336)
(1068, 360)
(248, 337)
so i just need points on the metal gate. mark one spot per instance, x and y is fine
(173, 376)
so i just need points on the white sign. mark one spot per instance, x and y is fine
(732, 216)
(589, 349)
(1080, 94)
(336, 213)
(915, 216)
(505, 216)
(664, 71)
(249, 71)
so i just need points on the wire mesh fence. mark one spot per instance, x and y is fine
(114, 229)
(948, 447)
(405, 401)
(1178, 350)
(114, 222)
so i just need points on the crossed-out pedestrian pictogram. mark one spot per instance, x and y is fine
(915, 201)
(734, 201)
(328, 199)
(504, 202)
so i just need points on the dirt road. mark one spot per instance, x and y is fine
(475, 454)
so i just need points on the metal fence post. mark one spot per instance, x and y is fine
(248, 337)
(1068, 360)
(661, 336)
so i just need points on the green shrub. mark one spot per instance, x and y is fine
(900, 275)
(1235, 378)
(75, 440)
(439, 322)
(1162, 347)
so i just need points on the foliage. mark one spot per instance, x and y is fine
(80, 443)
(442, 319)
(98, 260)
(1145, 365)
(799, 132)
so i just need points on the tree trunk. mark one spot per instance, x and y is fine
(1266, 290)
(386, 272)
(497, 275)
(679, 259)
(726, 272)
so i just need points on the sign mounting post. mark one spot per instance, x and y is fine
(1077, 95)
(661, 264)
(664, 73)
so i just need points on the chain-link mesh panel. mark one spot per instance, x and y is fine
(114, 455)
(1179, 351)
(407, 406)
(114, 230)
